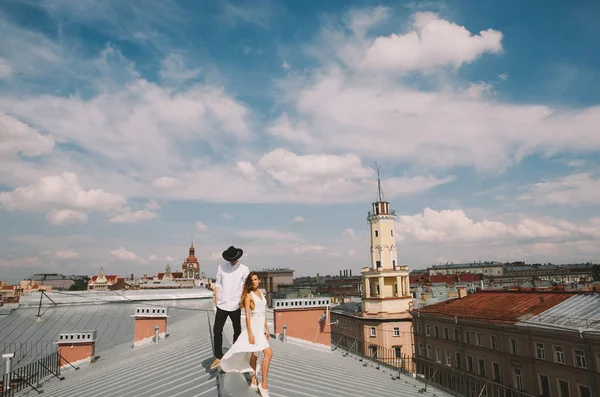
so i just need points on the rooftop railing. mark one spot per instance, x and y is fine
(30, 375)
(390, 212)
(443, 377)
(26, 352)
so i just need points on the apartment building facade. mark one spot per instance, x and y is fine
(508, 344)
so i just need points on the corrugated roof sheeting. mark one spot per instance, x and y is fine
(113, 322)
(579, 311)
(178, 367)
(498, 305)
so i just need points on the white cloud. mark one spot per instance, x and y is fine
(266, 235)
(19, 263)
(361, 21)
(5, 69)
(173, 68)
(129, 216)
(155, 258)
(434, 42)
(152, 205)
(17, 137)
(350, 233)
(166, 182)
(304, 248)
(227, 216)
(201, 227)
(298, 219)
(63, 254)
(125, 255)
(66, 217)
(433, 226)
(572, 190)
(62, 190)
(340, 108)
(285, 65)
(503, 76)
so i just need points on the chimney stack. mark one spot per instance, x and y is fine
(146, 321)
(340, 273)
(76, 348)
(350, 272)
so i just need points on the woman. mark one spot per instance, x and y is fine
(253, 339)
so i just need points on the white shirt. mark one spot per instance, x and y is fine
(230, 282)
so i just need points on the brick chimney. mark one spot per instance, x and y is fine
(462, 292)
(76, 348)
(150, 325)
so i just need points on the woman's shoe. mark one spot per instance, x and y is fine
(263, 392)
(254, 386)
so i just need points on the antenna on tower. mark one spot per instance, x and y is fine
(379, 190)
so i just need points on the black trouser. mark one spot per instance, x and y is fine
(220, 319)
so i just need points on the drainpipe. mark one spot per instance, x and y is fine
(8, 357)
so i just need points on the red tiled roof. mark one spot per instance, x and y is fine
(160, 276)
(501, 306)
(112, 278)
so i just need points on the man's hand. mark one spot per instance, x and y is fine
(251, 339)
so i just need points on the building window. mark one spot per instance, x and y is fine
(496, 372)
(446, 333)
(421, 350)
(448, 358)
(456, 335)
(429, 351)
(517, 379)
(580, 361)
(559, 355)
(467, 338)
(438, 355)
(373, 332)
(563, 388)
(394, 263)
(378, 264)
(436, 331)
(373, 351)
(478, 341)
(458, 361)
(396, 331)
(494, 342)
(427, 330)
(398, 351)
(514, 346)
(419, 328)
(469, 364)
(544, 383)
(376, 233)
(481, 362)
(585, 391)
(392, 231)
(540, 352)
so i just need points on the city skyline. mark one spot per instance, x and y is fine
(130, 128)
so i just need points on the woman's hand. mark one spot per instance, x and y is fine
(251, 339)
(267, 334)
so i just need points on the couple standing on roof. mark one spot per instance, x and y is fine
(236, 286)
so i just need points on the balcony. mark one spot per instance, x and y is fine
(390, 212)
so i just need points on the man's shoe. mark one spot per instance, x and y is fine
(215, 363)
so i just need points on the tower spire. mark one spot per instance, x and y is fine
(379, 190)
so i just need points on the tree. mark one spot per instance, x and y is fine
(596, 272)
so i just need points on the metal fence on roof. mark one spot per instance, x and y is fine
(433, 374)
(30, 375)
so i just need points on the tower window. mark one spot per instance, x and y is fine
(391, 231)
(376, 233)
(378, 263)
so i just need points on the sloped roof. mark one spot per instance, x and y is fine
(177, 367)
(578, 312)
(498, 306)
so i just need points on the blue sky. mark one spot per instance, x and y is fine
(129, 128)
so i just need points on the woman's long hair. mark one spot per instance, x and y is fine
(248, 288)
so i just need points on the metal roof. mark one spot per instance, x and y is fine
(578, 312)
(112, 321)
(498, 306)
(177, 367)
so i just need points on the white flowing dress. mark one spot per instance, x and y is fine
(237, 358)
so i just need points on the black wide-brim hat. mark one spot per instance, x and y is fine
(232, 254)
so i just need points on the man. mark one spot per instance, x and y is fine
(228, 291)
